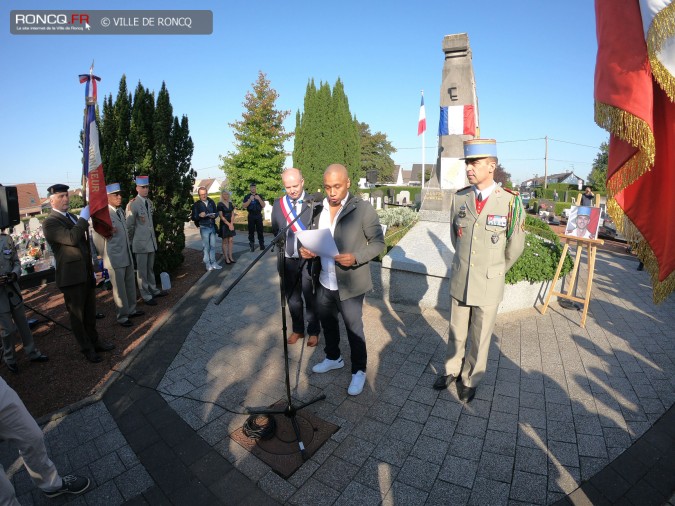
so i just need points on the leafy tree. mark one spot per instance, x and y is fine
(598, 176)
(376, 153)
(259, 154)
(503, 177)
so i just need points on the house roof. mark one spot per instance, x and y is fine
(29, 197)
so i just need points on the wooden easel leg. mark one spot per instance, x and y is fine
(575, 270)
(591, 268)
(555, 278)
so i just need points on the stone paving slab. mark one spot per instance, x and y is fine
(564, 414)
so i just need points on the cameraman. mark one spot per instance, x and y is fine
(12, 313)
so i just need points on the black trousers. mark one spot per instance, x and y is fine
(298, 285)
(328, 305)
(255, 224)
(81, 304)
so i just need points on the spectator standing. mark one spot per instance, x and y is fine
(587, 197)
(254, 204)
(204, 216)
(227, 232)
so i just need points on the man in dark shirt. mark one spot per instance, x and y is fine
(254, 205)
(587, 197)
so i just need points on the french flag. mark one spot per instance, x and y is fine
(422, 122)
(92, 167)
(457, 120)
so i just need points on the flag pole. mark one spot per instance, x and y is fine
(424, 134)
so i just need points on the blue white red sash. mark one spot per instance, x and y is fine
(290, 213)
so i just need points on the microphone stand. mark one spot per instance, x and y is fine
(290, 409)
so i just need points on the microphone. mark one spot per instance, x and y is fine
(314, 197)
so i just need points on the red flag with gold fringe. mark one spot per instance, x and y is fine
(635, 102)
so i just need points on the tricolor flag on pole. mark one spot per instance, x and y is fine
(635, 102)
(422, 122)
(457, 120)
(92, 168)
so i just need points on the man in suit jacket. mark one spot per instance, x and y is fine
(116, 253)
(487, 234)
(297, 277)
(141, 228)
(345, 278)
(69, 240)
(12, 314)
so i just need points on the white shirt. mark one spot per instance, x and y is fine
(486, 192)
(328, 278)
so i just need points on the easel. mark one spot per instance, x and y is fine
(591, 248)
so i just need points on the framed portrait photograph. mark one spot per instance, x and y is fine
(583, 222)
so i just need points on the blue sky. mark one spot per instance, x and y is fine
(533, 62)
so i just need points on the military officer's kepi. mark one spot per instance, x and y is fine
(142, 180)
(113, 188)
(583, 211)
(479, 148)
(57, 188)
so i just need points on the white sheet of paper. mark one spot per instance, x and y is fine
(319, 242)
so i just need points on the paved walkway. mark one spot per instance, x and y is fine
(565, 414)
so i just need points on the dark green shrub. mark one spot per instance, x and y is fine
(540, 258)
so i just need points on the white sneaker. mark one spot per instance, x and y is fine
(328, 365)
(358, 380)
(209, 267)
(216, 267)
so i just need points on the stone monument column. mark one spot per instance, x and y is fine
(458, 89)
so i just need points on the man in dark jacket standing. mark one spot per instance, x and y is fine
(68, 238)
(204, 215)
(254, 204)
(345, 278)
(297, 278)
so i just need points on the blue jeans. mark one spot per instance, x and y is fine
(209, 244)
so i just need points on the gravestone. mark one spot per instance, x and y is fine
(267, 211)
(403, 197)
(378, 203)
(19, 228)
(34, 224)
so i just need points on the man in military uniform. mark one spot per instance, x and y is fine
(68, 237)
(116, 253)
(141, 228)
(487, 234)
(12, 313)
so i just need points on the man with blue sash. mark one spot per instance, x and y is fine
(297, 277)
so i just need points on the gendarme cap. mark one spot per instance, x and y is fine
(479, 148)
(113, 188)
(142, 180)
(584, 211)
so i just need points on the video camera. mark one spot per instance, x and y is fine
(9, 207)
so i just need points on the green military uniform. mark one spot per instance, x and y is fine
(486, 245)
(12, 313)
